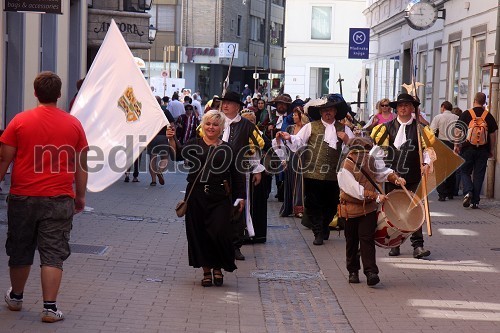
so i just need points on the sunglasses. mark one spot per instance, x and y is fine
(384, 105)
(187, 109)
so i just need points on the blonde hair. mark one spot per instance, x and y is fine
(214, 115)
(386, 100)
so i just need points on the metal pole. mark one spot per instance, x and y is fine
(255, 73)
(164, 69)
(149, 67)
(494, 107)
(169, 64)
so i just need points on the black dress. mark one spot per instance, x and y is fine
(208, 215)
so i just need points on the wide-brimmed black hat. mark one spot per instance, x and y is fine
(313, 108)
(231, 96)
(404, 98)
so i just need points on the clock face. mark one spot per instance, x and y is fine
(421, 15)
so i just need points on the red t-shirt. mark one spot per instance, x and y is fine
(46, 139)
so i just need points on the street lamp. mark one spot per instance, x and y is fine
(151, 38)
(148, 4)
(152, 34)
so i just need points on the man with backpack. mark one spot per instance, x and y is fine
(476, 129)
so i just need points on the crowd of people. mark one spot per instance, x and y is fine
(326, 167)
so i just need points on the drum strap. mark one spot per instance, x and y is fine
(366, 175)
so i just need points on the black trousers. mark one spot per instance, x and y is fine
(417, 238)
(447, 187)
(359, 231)
(321, 198)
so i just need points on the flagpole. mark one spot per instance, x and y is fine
(149, 66)
(420, 154)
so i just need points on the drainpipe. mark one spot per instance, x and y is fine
(495, 85)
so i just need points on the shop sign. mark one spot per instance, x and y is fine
(192, 51)
(124, 28)
(40, 6)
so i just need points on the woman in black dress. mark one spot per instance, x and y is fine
(209, 207)
(293, 198)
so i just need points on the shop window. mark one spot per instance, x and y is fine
(321, 23)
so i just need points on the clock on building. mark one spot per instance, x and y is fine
(421, 14)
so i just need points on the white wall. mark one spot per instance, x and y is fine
(302, 53)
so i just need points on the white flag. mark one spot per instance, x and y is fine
(118, 111)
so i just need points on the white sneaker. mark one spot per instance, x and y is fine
(51, 316)
(12, 303)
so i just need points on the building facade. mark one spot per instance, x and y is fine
(194, 31)
(35, 42)
(131, 17)
(453, 59)
(317, 45)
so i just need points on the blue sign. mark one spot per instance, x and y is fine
(359, 43)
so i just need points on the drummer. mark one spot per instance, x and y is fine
(358, 204)
(400, 137)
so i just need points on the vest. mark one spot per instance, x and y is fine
(352, 207)
(405, 161)
(320, 160)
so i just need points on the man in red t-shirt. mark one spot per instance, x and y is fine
(49, 150)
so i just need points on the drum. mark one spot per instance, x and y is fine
(398, 220)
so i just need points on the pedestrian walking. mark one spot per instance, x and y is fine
(158, 150)
(49, 150)
(245, 140)
(477, 129)
(212, 178)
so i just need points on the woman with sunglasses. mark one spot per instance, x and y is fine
(384, 114)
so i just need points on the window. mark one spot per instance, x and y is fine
(479, 61)
(277, 34)
(257, 30)
(134, 5)
(278, 2)
(238, 31)
(321, 23)
(163, 17)
(422, 78)
(454, 76)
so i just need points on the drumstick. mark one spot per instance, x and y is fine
(412, 197)
(392, 207)
(389, 202)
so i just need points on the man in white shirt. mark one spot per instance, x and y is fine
(324, 137)
(400, 137)
(443, 125)
(175, 106)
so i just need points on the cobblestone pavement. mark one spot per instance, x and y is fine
(136, 277)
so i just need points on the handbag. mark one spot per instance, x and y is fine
(181, 206)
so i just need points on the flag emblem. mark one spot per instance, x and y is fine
(130, 105)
